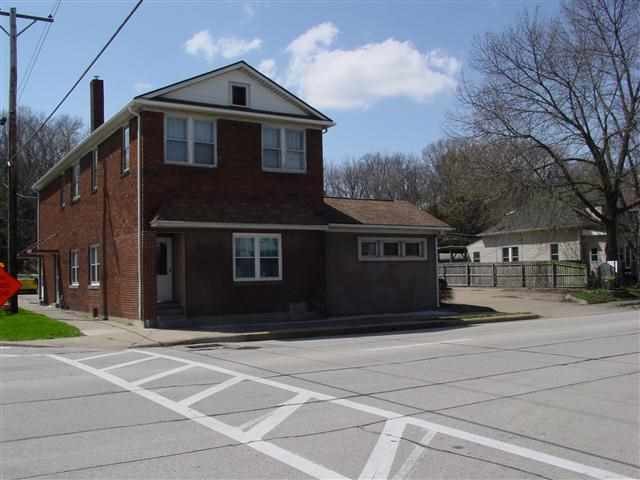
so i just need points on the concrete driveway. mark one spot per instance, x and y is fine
(547, 303)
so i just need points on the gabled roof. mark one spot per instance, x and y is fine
(542, 212)
(397, 213)
(159, 93)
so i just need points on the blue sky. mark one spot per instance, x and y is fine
(384, 71)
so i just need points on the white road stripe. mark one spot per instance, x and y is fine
(304, 464)
(378, 466)
(289, 458)
(277, 417)
(207, 392)
(411, 345)
(160, 375)
(126, 364)
(101, 355)
(405, 470)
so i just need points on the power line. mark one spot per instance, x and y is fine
(84, 73)
(36, 53)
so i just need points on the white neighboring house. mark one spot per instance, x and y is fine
(541, 231)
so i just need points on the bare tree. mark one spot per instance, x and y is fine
(567, 91)
(34, 158)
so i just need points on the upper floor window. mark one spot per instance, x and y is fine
(239, 94)
(190, 141)
(283, 149)
(384, 248)
(62, 187)
(555, 252)
(75, 182)
(510, 254)
(126, 150)
(94, 171)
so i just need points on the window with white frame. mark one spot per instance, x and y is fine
(190, 141)
(594, 254)
(554, 252)
(283, 149)
(94, 171)
(382, 248)
(476, 257)
(75, 182)
(257, 257)
(94, 265)
(125, 164)
(74, 268)
(510, 254)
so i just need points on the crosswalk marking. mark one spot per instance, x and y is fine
(127, 364)
(160, 375)
(101, 355)
(207, 392)
(414, 456)
(381, 459)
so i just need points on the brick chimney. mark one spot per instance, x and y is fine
(97, 102)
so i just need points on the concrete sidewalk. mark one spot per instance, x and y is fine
(114, 335)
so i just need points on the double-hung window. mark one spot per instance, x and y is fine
(94, 171)
(476, 257)
(372, 249)
(555, 252)
(190, 141)
(74, 268)
(283, 149)
(125, 163)
(594, 254)
(257, 257)
(94, 265)
(510, 254)
(75, 182)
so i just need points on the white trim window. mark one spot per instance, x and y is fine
(554, 250)
(74, 268)
(125, 164)
(257, 257)
(75, 182)
(510, 254)
(190, 141)
(390, 249)
(283, 149)
(94, 171)
(239, 94)
(94, 265)
(594, 256)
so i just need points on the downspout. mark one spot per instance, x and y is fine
(103, 243)
(139, 208)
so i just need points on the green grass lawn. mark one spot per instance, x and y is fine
(26, 325)
(602, 295)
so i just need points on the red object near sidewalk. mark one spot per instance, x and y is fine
(9, 286)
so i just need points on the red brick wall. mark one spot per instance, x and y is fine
(106, 217)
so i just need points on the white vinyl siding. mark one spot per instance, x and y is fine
(257, 257)
(390, 249)
(190, 141)
(283, 149)
(94, 265)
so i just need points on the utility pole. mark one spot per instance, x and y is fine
(12, 151)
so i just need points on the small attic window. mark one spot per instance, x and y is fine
(239, 94)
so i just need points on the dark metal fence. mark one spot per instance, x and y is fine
(514, 275)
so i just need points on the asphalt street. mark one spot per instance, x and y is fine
(553, 398)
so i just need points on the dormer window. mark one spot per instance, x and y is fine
(239, 94)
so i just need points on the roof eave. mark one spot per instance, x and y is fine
(84, 147)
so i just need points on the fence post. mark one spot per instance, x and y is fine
(524, 276)
(468, 275)
(554, 270)
(495, 274)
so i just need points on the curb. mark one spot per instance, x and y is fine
(344, 330)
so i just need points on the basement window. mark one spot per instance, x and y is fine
(257, 257)
(391, 249)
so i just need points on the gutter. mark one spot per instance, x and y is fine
(136, 113)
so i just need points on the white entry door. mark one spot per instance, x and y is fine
(164, 269)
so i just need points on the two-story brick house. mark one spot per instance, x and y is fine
(204, 200)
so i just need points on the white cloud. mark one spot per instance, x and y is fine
(359, 77)
(141, 87)
(202, 44)
(268, 67)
